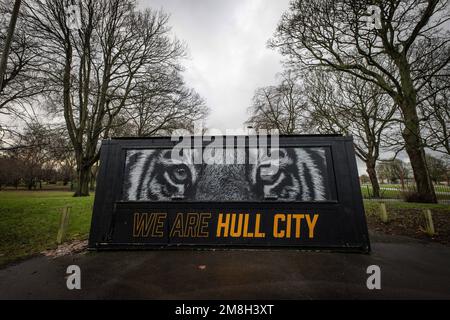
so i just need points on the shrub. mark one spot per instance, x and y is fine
(414, 196)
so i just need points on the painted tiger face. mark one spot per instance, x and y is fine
(298, 175)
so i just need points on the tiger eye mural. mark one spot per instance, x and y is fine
(300, 175)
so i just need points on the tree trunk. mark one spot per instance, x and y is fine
(407, 102)
(402, 181)
(416, 153)
(7, 44)
(84, 175)
(373, 178)
(30, 184)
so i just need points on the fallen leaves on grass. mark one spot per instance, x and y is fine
(410, 222)
(66, 248)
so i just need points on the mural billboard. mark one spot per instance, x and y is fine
(302, 191)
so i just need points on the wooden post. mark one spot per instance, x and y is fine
(383, 212)
(429, 225)
(63, 224)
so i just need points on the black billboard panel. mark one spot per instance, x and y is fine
(304, 192)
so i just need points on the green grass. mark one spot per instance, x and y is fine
(390, 185)
(374, 205)
(29, 221)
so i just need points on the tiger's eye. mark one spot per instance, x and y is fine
(266, 171)
(180, 174)
(268, 174)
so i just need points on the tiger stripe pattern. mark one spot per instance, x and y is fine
(152, 175)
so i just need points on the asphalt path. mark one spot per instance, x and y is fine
(410, 269)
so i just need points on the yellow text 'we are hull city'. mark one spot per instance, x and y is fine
(226, 225)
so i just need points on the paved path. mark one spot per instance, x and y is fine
(410, 269)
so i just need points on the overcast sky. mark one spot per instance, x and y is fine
(229, 58)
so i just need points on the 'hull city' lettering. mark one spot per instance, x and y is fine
(226, 225)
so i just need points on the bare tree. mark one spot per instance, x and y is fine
(341, 103)
(435, 112)
(162, 103)
(394, 170)
(38, 153)
(30, 150)
(438, 168)
(401, 57)
(11, 170)
(282, 107)
(97, 65)
(20, 80)
(8, 39)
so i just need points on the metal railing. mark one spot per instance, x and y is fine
(401, 192)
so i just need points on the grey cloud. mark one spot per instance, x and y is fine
(228, 54)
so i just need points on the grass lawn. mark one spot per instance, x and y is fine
(29, 221)
(401, 205)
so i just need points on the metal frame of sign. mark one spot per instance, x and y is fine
(340, 225)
